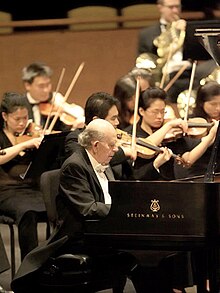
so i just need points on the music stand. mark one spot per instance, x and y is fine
(193, 49)
(48, 156)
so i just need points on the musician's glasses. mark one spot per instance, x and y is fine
(156, 112)
(173, 6)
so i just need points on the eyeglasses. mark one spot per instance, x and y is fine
(156, 112)
(178, 6)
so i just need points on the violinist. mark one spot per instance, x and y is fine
(152, 110)
(40, 98)
(124, 91)
(158, 37)
(104, 106)
(20, 199)
(208, 101)
(207, 107)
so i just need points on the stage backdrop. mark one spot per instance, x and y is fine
(108, 55)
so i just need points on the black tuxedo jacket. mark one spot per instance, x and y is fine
(80, 197)
(146, 38)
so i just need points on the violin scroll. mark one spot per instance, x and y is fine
(180, 161)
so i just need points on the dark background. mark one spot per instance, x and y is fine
(43, 9)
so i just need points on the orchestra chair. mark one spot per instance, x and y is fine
(5, 17)
(5, 220)
(73, 271)
(142, 11)
(49, 185)
(87, 13)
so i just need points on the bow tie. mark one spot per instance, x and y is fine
(35, 103)
(100, 168)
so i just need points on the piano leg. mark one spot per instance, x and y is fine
(206, 268)
(172, 270)
(213, 266)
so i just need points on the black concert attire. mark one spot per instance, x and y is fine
(59, 125)
(80, 197)
(203, 69)
(199, 168)
(20, 199)
(144, 169)
(120, 164)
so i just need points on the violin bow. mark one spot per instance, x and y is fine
(170, 53)
(134, 128)
(53, 99)
(176, 76)
(74, 80)
(190, 89)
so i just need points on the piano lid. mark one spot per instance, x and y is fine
(210, 39)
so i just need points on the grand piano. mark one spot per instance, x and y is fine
(147, 215)
(178, 215)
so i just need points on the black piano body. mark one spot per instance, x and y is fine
(161, 215)
(145, 215)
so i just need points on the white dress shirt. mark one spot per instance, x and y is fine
(35, 109)
(103, 180)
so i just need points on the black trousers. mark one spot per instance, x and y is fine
(27, 231)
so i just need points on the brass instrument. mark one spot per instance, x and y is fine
(182, 101)
(214, 76)
(169, 42)
(148, 61)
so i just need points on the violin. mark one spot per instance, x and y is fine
(32, 130)
(64, 110)
(197, 128)
(145, 148)
(68, 113)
